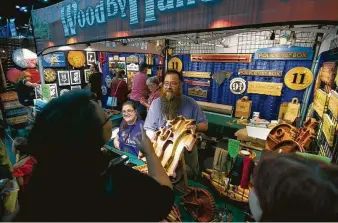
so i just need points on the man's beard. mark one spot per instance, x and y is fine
(170, 105)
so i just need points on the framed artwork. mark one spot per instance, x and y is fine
(63, 91)
(63, 78)
(75, 77)
(53, 90)
(75, 87)
(87, 72)
(91, 58)
(38, 92)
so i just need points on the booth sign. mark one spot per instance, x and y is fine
(94, 20)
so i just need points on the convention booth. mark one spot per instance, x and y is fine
(254, 92)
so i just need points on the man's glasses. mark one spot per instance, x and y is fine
(168, 84)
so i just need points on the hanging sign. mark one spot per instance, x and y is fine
(267, 88)
(198, 83)
(220, 76)
(132, 67)
(298, 78)
(237, 85)
(329, 129)
(319, 101)
(132, 59)
(175, 64)
(56, 59)
(233, 147)
(225, 58)
(198, 92)
(284, 53)
(196, 74)
(333, 103)
(266, 73)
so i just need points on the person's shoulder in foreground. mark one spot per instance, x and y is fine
(148, 197)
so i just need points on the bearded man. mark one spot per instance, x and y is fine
(171, 104)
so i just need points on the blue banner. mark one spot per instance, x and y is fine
(56, 59)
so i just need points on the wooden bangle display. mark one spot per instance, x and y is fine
(170, 143)
(199, 203)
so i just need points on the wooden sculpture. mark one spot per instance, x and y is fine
(174, 215)
(285, 138)
(170, 142)
(307, 134)
(199, 203)
(280, 133)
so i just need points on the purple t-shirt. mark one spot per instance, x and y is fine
(189, 109)
(127, 137)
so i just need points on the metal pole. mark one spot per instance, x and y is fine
(41, 69)
(314, 66)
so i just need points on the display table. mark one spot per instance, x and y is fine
(238, 214)
(116, 120)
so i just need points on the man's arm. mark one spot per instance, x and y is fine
(202, 127)
(151, 124)
(201, 119)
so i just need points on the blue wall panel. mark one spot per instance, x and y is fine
(268, 106)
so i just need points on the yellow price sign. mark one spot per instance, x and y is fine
(298, 78)
(175, 64)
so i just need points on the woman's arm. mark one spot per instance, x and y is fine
(20, 181)
(155, 169)
(117, 142)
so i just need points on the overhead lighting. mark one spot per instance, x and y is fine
(64, 48)
(17, 7)
(25, 10)
(89, 48)
(0, 17)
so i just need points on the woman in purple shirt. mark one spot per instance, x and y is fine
(129, 131)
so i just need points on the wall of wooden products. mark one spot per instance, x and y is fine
(268, 78)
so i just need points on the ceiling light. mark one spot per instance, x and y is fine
(64, 48)
(17, 7)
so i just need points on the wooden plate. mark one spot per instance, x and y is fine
(76, 59)
(49, 75)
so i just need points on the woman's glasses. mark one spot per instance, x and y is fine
(129, 111)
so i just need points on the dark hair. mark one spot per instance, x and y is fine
(120, 73)
(21, 145)
(133, 105)
(292, 188)
(171, 71)
(143, 66)
(96, 67)
(66, 140)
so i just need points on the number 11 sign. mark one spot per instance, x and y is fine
(298, 78)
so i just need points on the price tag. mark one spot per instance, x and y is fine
(175, 64)
(45, 90)
(298, 78)
(233, 147)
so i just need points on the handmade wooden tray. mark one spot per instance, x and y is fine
(280, 133)
(170, 142)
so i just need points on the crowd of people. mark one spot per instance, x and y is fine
(64, 176)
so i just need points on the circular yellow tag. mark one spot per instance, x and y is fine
(175, 64)
(298, 78)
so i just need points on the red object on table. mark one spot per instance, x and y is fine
(246, 172)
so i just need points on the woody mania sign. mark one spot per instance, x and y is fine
(78, 21)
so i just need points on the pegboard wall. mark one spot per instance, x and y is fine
(106, 72)
(242, 42)
(268, 106)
